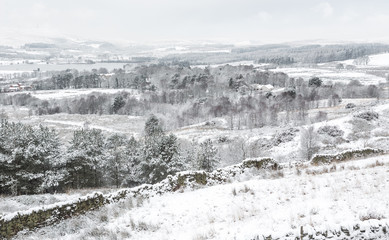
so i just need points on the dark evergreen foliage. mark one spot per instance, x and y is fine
(118, 104)
(315, 82)
(28, 159)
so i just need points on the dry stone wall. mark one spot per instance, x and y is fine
(10, 225)
(345, 156)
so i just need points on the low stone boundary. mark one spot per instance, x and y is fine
(345, 156)
(373, 229)
(31, 219)
(35, 218)
(11, 225)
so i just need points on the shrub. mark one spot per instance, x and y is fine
(350, 105)
(321, 116)
(264, 163)
(263, 143)
(223, 139)
(367, 115)
(339, 66)
(285, 136)
(315, 82)
(332, 131)
(371, 215)
(234, 191)
(245, 189)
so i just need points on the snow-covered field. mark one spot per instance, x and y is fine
(336, 116)
(323, 72)
(321, 197)
(43, 66)
(65, 123)
(71, 93)
(333, 75)
(248, 63)
(17, 61)
(377, 60)
(244, 209)
(327, 72)
(315, 197)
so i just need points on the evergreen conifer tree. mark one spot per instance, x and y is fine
(159, 153)
(207, 158)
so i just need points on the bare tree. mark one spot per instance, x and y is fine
(308, 144)
(362, 60)
(387, 84)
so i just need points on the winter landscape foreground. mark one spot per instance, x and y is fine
(194, 140)
(327, 198)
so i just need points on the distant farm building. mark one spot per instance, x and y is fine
(18, 87)
(262, 88)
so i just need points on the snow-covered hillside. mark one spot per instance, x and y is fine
(376, 60)
(331, 74)
(317, 198)
(14, 204)
(71, 93)
(327, 71)
(250, 206)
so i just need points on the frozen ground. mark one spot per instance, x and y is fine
(377, 60)
(327, 72)
(71, 93)
(336, 116)
(248, 63)
(65, 123)
(43, 66)
(331, 74)
(323, 197)
(326, 199)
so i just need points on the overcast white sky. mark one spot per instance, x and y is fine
(235, 20)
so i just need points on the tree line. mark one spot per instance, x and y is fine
(32, 159)
(282, 54)
(189, 99)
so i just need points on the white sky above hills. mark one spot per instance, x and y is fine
(258, 21)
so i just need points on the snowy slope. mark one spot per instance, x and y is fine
(333, 75)
(71, 93)
(244, 210)
(377, 60)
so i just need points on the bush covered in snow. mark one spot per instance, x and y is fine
(263, 143)
(285, 136)
(223, 139)
(367, 115)
(350, 105)
(29, 162)
(332, 131)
